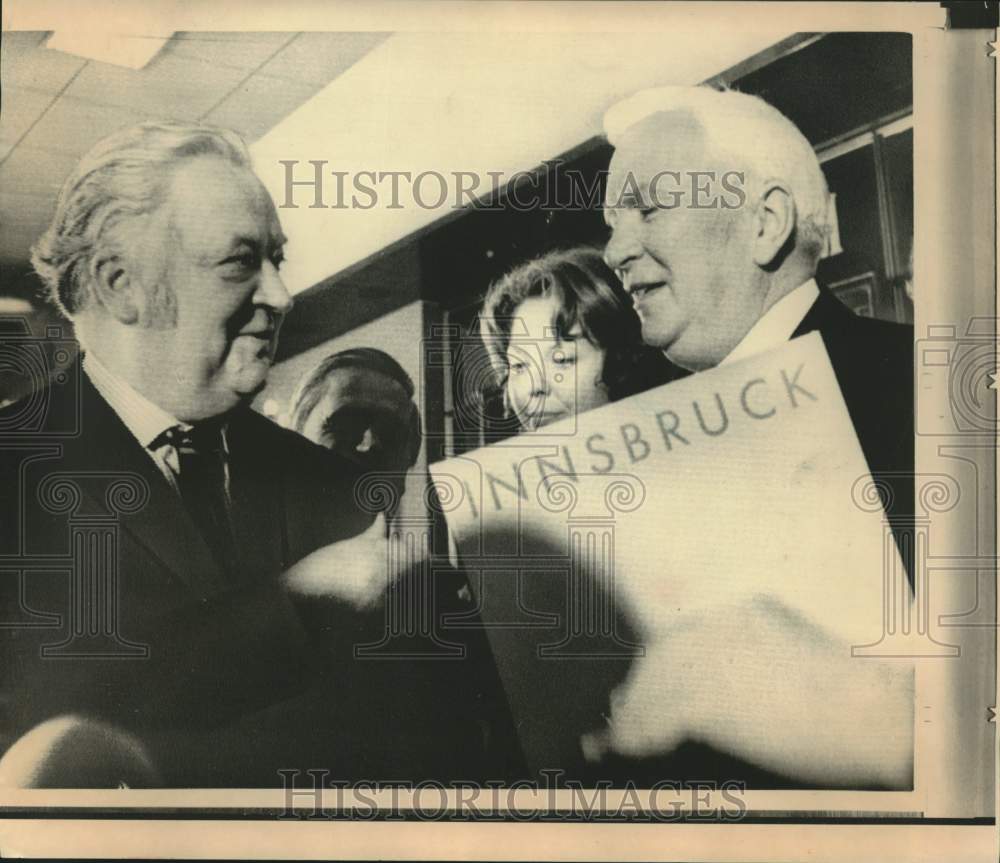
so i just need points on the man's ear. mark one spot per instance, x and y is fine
(116, 287)
(774, 223)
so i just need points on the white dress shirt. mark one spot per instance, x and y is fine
(145, 420)
(776, 325)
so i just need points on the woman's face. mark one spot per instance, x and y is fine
(550, 378)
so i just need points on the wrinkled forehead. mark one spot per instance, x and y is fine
(211, 201)
(664, 141)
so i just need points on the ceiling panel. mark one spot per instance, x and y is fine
(73, 127)
(16, 42)
(244, 51)
(56, 106)
(317, 58)
(180, 88)
(20, 108)
(260, 102)
(40, 69)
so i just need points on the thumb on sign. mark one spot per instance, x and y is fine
(645, 717)
(356, 570)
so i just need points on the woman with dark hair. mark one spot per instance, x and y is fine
(563, 338)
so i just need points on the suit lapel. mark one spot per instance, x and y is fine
(257, 489)
(825, 313)
(163, 525)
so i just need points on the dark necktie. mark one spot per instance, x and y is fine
(202, 485)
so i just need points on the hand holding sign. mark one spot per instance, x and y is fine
(357, 570)
(762, 683)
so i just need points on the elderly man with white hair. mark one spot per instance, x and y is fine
(718, 213)
(718, 208)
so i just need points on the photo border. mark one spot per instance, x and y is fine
(38, 822)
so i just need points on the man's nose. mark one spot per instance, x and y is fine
(272, 291)
(623, 246)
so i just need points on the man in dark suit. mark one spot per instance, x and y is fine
(171, 557)
(718, 207)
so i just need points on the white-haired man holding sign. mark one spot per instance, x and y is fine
(718, 208)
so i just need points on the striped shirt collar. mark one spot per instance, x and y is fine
(145, 420)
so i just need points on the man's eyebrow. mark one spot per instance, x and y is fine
(626, 198)
(275, 243)
(241, 240)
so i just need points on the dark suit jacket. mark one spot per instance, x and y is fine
(222, 676)
(873, 362)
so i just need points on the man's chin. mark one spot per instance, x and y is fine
(659, 338)
(676, 345)
(246, 392)
(251, 380)
(691, 361)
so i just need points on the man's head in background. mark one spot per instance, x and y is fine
(164, 252)
(359, 403)
(717, 207)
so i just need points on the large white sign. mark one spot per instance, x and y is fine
(592, 538)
